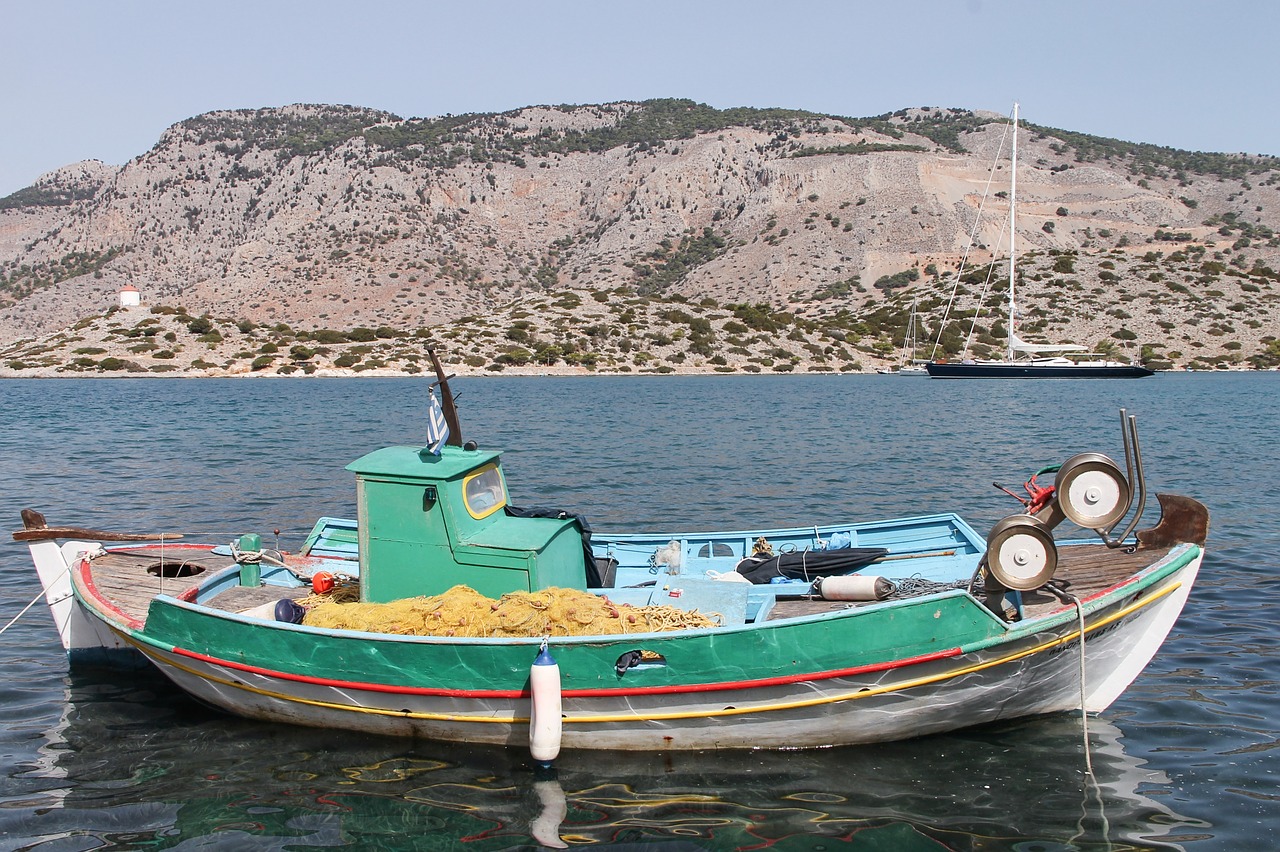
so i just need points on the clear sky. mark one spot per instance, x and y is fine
(101, 79)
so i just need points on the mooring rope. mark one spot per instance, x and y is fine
(251, 557)
(1063, 595)
(1084, 712)
(916, 585)
(1091, 780)
(34, 600)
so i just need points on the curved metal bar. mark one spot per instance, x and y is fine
(1133, 464)
(1124, 436)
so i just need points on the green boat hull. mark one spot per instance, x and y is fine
(874, 673)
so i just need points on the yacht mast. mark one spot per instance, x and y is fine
(1013, 230)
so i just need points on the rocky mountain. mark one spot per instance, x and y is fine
(633, 235)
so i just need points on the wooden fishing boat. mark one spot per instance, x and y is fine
(970, 630)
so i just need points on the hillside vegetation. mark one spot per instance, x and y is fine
(630, 237)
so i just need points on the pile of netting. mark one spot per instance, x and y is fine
(464, 612)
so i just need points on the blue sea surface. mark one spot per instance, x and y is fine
(98, 759)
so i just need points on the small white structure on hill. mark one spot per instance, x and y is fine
(130, 297)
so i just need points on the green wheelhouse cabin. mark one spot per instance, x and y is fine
(429, 522)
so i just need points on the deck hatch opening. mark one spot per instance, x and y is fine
(168, 569)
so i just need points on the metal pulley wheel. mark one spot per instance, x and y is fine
(1092, 491)
(1021, 553)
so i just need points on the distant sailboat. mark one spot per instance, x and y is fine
(1023, 360)
(907, 364)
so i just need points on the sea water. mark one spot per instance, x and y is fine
(98, 759)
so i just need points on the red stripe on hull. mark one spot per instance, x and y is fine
(610, 692)
(85, 570)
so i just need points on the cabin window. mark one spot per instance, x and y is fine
(484, 492)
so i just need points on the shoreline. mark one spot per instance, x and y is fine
(400, 374)
(519, 374)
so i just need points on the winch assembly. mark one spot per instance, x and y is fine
(1089, 489)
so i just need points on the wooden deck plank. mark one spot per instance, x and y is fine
(123, 579)
(240, 598)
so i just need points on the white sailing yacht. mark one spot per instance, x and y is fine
(1023, 360)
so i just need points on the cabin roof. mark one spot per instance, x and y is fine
(414, 462)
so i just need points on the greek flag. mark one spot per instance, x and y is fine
(437, 427)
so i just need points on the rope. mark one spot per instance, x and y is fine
(964, 259)
(39, 595)
(982, 297)
(244, 557)
(1084, 713)
(915, 586)
(253, 557)
(1059, 592)
(1091, 780)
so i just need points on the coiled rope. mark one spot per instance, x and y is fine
(916, 586)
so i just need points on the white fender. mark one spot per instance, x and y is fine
(266, 611)
(854, 587)
(545, 725)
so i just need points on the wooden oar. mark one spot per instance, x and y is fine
(35, 529)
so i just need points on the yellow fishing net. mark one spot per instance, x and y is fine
(462, 611)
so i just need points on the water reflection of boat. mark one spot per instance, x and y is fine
(134, 767)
